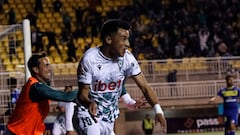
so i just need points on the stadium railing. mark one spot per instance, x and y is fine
(157, 70)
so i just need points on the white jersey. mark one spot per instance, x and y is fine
(106, 77)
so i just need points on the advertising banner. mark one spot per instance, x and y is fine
(194, 124)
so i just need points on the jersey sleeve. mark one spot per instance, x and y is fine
(41, 91)
(133, 66)
(220, 92)
(124, 91)
(84, 71)
(69, 111)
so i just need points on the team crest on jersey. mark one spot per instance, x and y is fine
(120, 63)
(99, 66)
(132, 64)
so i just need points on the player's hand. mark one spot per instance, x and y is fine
(71, 133)
(135, 106)
(161, 119)
(139, 104)
(93, 110)
(211, 102)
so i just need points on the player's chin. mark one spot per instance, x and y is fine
(121, 54)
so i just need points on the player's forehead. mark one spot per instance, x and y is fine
(123, 33)
(44, 61)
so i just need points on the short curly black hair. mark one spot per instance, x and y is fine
(111, 26)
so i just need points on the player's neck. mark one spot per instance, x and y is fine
(106, 51)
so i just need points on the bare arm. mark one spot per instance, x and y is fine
(83, 96)
(215, 99)
(152, 99)
(148, 92)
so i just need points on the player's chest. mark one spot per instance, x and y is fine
(108, 71)
(108, 68)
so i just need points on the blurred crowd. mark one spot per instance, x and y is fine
(167, 28)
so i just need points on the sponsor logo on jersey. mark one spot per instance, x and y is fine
(102, 86)
(230, 93)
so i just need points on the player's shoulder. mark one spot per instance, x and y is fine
(129, 57)
(91, 53)
(128, 54)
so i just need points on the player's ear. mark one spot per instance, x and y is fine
(35, 69)
(108, 39)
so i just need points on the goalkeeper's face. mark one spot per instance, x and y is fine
(45, 69)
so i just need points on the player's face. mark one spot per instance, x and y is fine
(120, 42)
(44, 69)
(230, 81)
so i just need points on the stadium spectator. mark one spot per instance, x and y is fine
(80, 32)
(38, 6)
(148, 125)
(1, 6)
(78, 15)
(112, 54)
(39, 43)
(203, 35)
(178, 21)
(11, 15)
(66, 20)
(179, 50)
(57, 6)
(12, 45)
(222, 49)
(71, 51)
(51, 35)
(172, 79)
(33, 103)
(32, 18)
(230, 95)
(65, 35)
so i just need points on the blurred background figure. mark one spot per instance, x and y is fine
(59, 127)
(14, 94)
(172, 79)
(148, 125)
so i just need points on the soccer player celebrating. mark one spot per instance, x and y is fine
(101, 74)
(32, 106)
(230, 95)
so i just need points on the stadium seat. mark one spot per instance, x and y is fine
(57, 60)
(6, 61)
(49, 15)
(202, 62)
(21, 60)
(10, 68)
(4, 55)
(169, 61)
(15, 61)
(99, 9)
(56, 71)
(235, 63)
(186, 64)
(141, 56)
(65, 71)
